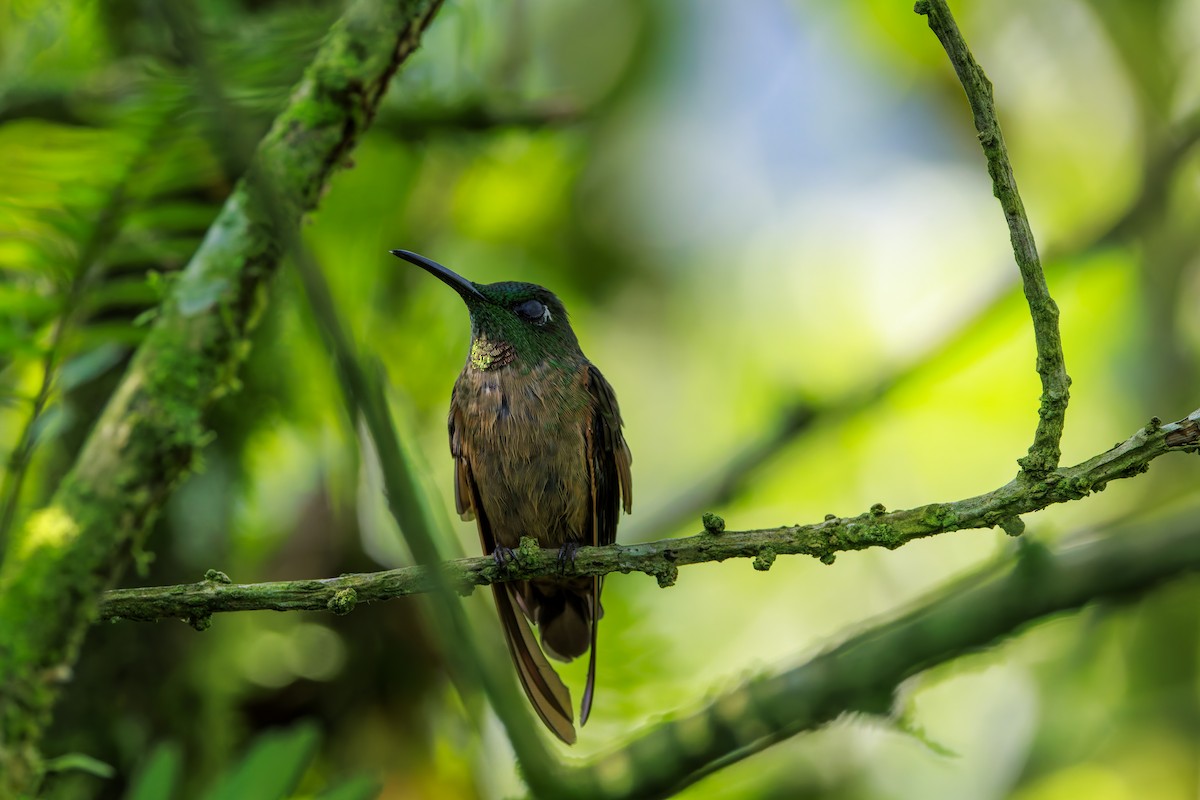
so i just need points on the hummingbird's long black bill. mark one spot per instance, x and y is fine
(452, 279)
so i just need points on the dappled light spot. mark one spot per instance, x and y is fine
(51, 527)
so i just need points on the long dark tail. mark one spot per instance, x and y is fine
(567, 613)
(546, 691)
(585, 707)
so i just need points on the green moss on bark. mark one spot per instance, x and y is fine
(149, 437)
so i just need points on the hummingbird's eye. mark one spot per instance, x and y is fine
(533, 310)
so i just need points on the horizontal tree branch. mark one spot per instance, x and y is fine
(861, 674)
(876, 528)
(1045, 452)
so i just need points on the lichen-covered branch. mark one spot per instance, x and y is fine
(1044, 453)
(862, 674)
(876, 528)
(145, 442)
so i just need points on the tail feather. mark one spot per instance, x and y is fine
(585, 707)
(545, 690)
(562, 611)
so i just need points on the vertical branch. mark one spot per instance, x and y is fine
(1044, 453)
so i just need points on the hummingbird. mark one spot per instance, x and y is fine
(535, 433)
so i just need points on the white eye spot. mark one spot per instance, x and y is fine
(535, 311)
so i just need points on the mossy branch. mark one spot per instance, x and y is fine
(877, 527)
(146, 440)
(861, 674)
(1044, 453)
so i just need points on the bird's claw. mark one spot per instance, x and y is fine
(504, 556)
(566, 555)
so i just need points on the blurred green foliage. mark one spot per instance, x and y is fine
(742, 205)
(271, 770)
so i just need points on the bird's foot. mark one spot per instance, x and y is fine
(504, 556)
(566, 556)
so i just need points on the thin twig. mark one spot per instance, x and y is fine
(876, 528)
(1044, 453)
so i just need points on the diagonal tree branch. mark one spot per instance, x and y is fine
(363, 391)
(876, 528)
(862, 673)
(145, 442)
(1157, 173)
(1044, 453)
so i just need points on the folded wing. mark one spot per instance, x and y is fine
(609, 463)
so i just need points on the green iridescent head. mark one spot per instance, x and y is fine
(510, 321)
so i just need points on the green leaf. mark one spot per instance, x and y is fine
(90, 364)
(272, 768)
(157, 778)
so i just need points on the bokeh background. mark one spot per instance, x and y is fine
(755, 212)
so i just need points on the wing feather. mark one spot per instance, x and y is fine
(609, 462)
